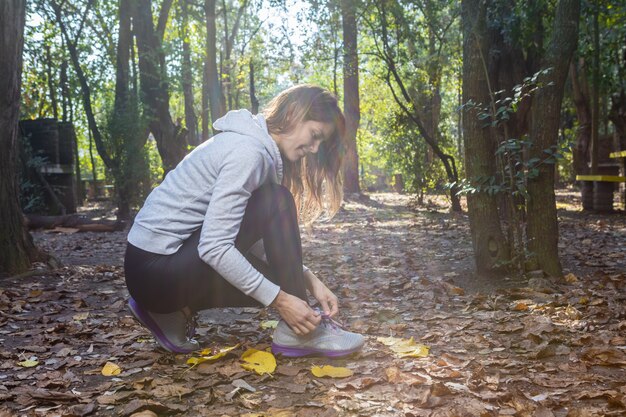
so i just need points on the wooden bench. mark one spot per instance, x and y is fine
(597, 191)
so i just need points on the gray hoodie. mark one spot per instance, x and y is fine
(209, 189)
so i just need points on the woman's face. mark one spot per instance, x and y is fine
(305, 138)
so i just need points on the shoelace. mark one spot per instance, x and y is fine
(330, 322)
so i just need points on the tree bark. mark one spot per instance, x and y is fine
(213, 87)
(191, 121)
(542, 226)
(351, 105)
(254, 101)
(580, 95)
(131, 171)
(170, 138)
(490, 246)
(16, 246)
(51, 86)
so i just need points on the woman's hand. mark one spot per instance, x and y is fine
(326, 298)
(296, 312)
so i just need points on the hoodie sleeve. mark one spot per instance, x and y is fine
(241, 173)
(258, 251)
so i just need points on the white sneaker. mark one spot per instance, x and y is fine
(328, 339)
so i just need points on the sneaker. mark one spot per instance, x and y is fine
(328, 339)
(173, 331)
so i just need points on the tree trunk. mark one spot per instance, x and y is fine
(84, 87)
(490, 246)
(16, 245)
(51, 86)
(170, 138)
(580, 95)
(542, 226)
(131, 170)
(351, 105)
(191, 121)
(254, 101)
(213, 86)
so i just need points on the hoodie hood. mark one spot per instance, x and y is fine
(245, 123)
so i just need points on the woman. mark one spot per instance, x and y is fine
(221, 230)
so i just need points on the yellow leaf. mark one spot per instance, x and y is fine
(111, 369)
(419, 351)
(81, 316)
(571, 278)
(212, 357)
(269, 324)
(258, 361)
(331, 371)
(404, 348)
(29, 363)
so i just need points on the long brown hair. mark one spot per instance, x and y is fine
(315, 180)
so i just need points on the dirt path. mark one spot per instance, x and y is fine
(506, 348)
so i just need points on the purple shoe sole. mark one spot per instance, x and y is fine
(145, 319)
(293, 352)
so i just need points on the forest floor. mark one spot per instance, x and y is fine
(507, 347)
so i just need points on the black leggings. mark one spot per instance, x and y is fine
(168, 283)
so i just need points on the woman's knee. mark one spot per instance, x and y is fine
(275, 197)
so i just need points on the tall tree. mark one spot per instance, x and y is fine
(400, 54)
(155, 95)
(16, 246)
(212, 96)
(490, 246)
(126, 132)
(350, 95)
(542, 229)
(191, 121)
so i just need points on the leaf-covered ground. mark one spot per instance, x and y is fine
(510, 348)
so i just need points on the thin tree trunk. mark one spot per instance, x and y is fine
(595, 87)
(542, 226)
(580, 95)
(16, 246)
(254, 102)
(51, 86)
(191, 121)
(170, 138)
(84, 86)
(214, 88)
(64, 90)
(125, 127)
(413, 115)
(351, 104)
(490, 246)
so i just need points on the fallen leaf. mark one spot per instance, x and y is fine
(81, 316)
(144, 413)
(405, 348)
(29, 363)
(110, 369)
(269, 324)
(258, 361)
(396, 376)
(331, 371)
(193, 361)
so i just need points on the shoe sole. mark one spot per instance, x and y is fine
(294, 352)
(150, 324)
